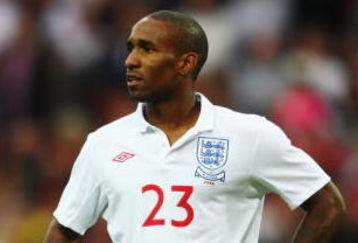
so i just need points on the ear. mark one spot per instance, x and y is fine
(187, 63)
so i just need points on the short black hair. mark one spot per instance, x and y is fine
(190, 36)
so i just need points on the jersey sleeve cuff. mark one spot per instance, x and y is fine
(311, 190)
(68, 224)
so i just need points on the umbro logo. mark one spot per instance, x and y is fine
(122, 157)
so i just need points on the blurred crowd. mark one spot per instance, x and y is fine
(62, 76)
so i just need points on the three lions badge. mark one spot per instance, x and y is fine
(212, 155)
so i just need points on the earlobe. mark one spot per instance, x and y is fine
(187, 63)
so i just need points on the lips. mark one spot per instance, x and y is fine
(133, 79)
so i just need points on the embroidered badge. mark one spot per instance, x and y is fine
(212, 155)
(123, 157)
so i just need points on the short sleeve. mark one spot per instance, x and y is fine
(82, 202)
(284, 169)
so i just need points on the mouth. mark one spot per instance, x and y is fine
(133, 79)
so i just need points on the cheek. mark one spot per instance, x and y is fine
(163, 67)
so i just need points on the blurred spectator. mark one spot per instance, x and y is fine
(227, 23)
(17, 66)
(30, 227)
(261, 16)
(73, 37)
(257, 76)
(109, 105)
(301, 109)
(8, 23)
(23, 172)
(22, 158)
(348, 51)
(307, 119)
(310, 61)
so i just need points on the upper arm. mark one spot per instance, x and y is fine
(324, 210)
(328, 198)
(58, 232)
(84, 198)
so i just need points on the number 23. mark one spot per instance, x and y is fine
(183, 203)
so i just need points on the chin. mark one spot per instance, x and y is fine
(138, 97)
(146, 97)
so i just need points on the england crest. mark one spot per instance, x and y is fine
(212, 155)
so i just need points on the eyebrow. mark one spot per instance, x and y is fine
(141, 43)
(145, 43)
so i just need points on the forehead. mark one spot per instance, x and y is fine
(156, 31)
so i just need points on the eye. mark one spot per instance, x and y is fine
(148, 49)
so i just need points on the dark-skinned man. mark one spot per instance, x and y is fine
(180, 169)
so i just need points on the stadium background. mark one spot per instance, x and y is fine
(61, 76)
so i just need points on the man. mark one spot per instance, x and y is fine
(180, 169)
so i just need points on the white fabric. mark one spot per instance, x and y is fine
(259, 159)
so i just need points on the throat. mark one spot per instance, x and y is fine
(174, 121)
(175, 135)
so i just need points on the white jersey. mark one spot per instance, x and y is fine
(208, 187)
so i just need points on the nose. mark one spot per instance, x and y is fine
(132, 60)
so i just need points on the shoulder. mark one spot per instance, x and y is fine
(247, 125)
(235, 119)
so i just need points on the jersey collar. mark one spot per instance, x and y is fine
(205, 121)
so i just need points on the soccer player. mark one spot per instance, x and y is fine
(180, 169)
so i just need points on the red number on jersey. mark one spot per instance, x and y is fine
(183, 203)
(150, 221)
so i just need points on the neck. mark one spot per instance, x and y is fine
(173, 113)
